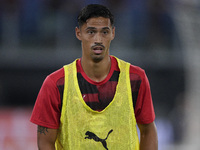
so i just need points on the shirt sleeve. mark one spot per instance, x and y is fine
(144, 110)
(47, 108)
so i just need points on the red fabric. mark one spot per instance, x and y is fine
(47, 109)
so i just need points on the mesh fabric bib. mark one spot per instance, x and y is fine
(82, 128)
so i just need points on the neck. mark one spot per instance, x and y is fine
(97, 71)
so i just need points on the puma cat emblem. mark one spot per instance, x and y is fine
(90, 135)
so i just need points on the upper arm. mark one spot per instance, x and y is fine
(144, 109)
(46, 138)
(47, 108)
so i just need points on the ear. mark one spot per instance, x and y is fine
(113, 33)
(78, 33)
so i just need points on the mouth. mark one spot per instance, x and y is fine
(97, 49)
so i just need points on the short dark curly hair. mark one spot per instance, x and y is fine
(93, 11)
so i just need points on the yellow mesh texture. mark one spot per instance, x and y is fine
(77, 118)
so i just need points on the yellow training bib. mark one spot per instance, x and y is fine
(82, 128)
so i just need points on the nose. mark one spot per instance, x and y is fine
(98, 38)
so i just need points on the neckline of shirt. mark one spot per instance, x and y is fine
(80, 70)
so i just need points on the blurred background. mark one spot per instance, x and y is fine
(37, 37)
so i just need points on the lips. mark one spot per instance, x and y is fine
(97, 49)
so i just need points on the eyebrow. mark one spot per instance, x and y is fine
(90, 28)
(93, 28)
(105, 28)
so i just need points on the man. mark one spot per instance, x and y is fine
(96, 101)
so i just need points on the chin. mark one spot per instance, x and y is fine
(97, 59)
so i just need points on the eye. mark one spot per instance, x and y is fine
(105, 32)
(90, 32)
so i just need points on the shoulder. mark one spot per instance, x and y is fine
(137, 73)
(133, 68)
(137, 70)
(56, 77)
(57, 74)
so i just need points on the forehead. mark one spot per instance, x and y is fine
(98, 22)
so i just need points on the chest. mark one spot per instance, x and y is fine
(98, 96)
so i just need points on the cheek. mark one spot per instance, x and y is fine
(107, 42)
(86, 43)
(87, 39)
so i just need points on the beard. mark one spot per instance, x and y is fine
(97, 58)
